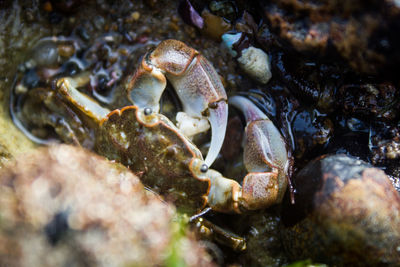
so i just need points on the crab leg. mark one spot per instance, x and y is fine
(208, 230)
(265, 158)
(196, 82)
(224, 193)
(67, 88)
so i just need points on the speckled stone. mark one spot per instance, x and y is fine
(347, 213)
(63, 206)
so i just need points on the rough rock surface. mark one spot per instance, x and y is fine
(63, 206)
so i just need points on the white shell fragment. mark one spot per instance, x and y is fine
(191, 126)
(255, 62)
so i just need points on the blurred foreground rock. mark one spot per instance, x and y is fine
(64, 206)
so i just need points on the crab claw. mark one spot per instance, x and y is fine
(146, 87)
(196, 83)
(265, 158)
(218, 118)
(224, 193)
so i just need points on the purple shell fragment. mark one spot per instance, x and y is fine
(189, 14)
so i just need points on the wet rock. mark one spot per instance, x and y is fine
(214, 26)
(225, 9)
(346, 213)
(234, 134)
(264, 247)
(377, 101)
(65, 206)
(14, 40)
(362, 33)
(66, 6)
(311, 131)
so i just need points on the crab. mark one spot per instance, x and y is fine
(165, 159)
(169, 163)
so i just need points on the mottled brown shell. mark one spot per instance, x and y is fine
(157, 153)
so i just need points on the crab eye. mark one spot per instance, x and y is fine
(204, 168)
(148, 111)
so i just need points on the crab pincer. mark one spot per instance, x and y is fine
(265, 158)
(196, 83)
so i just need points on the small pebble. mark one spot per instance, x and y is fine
(135, 15)
(47, 6)
(66, 50)
(45, 54)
